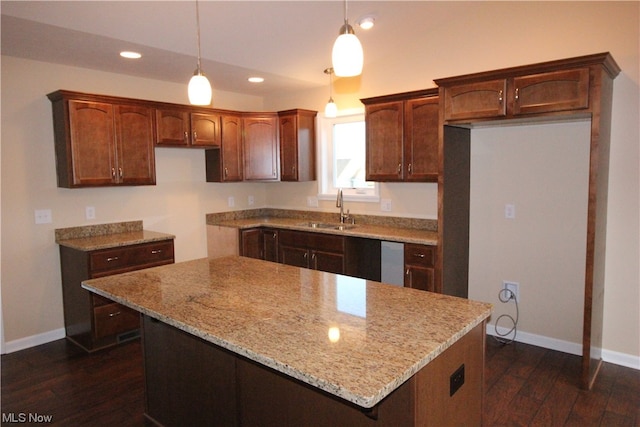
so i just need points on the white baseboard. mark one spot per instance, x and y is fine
(622, 359)
(33, 340)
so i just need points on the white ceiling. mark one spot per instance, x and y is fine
(286, 42)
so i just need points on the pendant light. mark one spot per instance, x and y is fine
(199, 86)
(331, 109)
(347, 53)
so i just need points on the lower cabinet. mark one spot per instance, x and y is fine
(259, 243)
(91, 321)
(419, 266)
(324, 252)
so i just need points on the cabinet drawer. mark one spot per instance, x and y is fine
(113, 319)
(131, 256)
(420, 255)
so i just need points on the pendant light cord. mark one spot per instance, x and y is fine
(198, 36)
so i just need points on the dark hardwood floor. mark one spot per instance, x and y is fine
(525, 386)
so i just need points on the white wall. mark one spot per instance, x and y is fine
(479, 36)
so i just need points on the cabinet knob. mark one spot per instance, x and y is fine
(517, 94)
(186, 136)
(500, 96)
(195, 136)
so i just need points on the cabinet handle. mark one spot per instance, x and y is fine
(113, 173)
(399, 167)
(186, 136)
(306, 255)
(293, 170)
(120, 172)
(115, 258)
(117, 313)
(517, 94)
(226, 172)
(500, 96)
(419, 255)
(156, 251)
(195, 136)
(409, 168)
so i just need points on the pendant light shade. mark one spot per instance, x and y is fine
(331, 109)
(347, 55)
(199, 89)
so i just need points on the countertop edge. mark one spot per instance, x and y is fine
(116, 240)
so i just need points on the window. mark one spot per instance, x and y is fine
(342, 158)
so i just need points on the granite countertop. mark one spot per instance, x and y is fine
(105, 236)
(403, 230)
(356, 339)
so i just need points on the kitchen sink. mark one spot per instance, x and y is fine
(328, 225)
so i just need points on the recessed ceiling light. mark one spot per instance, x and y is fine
(367, 22)
(255, 79)
(130, 54)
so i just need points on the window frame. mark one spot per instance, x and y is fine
(325, 151)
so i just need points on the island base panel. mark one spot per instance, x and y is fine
(188, 380)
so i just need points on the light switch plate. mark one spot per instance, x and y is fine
(386, 205)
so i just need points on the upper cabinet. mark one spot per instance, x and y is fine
(402, 136)
(184, 127)
(260, 146)
(297, 145)
(102, 141)
(225, 164)
(517, 95)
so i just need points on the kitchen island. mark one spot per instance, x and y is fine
(239, 341)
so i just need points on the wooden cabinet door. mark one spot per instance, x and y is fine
(298, 257)
(93, 161)
(297, 145)
(260, 147)
(251, 243)
(421, 117)
(476, 100)
(205, 129)
(172, 127)
(419, 278)
(548, 92)
(231, 148)
(289, 147)
(134, 142)
(384, 141)
(327, 261)
(270, 245)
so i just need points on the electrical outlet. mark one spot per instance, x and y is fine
(312, 202)
(510, 211)
(43, 216)
(514, 287)
(385, 205)
(90, 212)
(231, 201)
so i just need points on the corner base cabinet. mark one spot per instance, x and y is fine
(91, 321)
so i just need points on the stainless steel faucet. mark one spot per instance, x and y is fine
(340, 204)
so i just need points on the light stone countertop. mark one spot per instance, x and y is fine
(282, 317)
(372, 231)
(114, 240)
